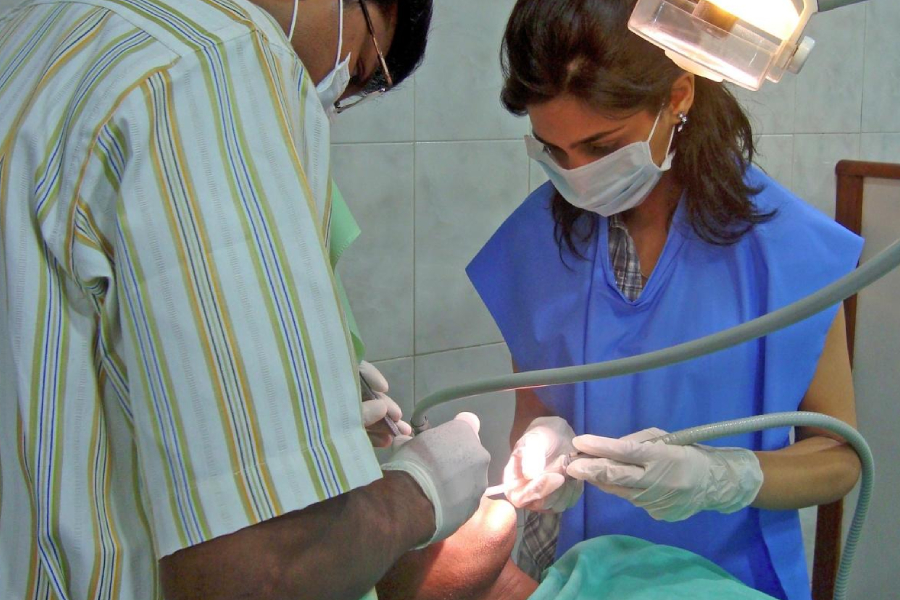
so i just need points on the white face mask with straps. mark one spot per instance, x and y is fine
(333, 86)
(610, 185)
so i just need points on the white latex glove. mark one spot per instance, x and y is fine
(535, 475)
(450, 465)
(381, 406)
(671, 483)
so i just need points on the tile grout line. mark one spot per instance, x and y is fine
(415, 202)
(862, 103)
(426, 142)
(444, 351)
(436, 141)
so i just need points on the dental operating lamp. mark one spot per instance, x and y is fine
(744, 42)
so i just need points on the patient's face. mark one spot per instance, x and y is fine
(465, 565)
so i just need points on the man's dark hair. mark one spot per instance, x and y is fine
(410, 36)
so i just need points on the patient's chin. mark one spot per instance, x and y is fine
(464, 565)
(491, 530)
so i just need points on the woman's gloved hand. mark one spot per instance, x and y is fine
(375, 409)
(535, 475)
(671, 483)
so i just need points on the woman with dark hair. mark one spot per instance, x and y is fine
(656, 229)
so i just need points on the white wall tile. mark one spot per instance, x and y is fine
(400, 375)
(876, 380)
(829, 89)
(464, 191)
(771, 109)
(881, 97)
(377, 271)
(390, 118)
(815, 157)
(458, 86)
(880, 147)
(438, 371)
(776, 156)
(808, 518)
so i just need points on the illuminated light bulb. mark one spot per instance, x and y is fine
(534, 457)
(776, 17)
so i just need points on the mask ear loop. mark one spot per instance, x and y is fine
(293, 21)
(337, 60)
(655, 123)
(683, 118)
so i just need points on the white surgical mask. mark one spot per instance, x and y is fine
(333, 86)
(610, 185)
(335, 83)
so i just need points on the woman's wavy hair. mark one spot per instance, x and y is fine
(583, 48)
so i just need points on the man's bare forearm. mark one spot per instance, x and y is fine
(336, 549)
(512, 584)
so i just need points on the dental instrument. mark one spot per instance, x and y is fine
(496, 492)
(369, 394)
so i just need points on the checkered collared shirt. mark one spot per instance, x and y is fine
(541, 530)
(624, 258)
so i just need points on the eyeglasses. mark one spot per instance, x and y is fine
(340, 107)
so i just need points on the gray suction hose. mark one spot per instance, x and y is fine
(871, 271)
(843, 288)
(704, 433)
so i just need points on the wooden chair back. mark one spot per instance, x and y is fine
(851, 177)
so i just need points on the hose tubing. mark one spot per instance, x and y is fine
(704, 433)
(830, 295)
(865, 275)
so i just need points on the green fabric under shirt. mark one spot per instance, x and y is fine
(343, 231)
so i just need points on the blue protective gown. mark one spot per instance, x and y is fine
(553, 314)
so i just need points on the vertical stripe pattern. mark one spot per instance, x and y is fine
(174, 360)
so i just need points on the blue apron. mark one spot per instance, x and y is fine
(555, 313)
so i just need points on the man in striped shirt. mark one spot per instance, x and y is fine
(179, 411)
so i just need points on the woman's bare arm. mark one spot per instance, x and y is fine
(820, 467)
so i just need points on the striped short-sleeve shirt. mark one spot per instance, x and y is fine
(173, 359)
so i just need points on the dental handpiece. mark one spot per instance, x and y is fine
(496, 492)
(665, 439)
(573, 456)
(499, 491)
(369, 394)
